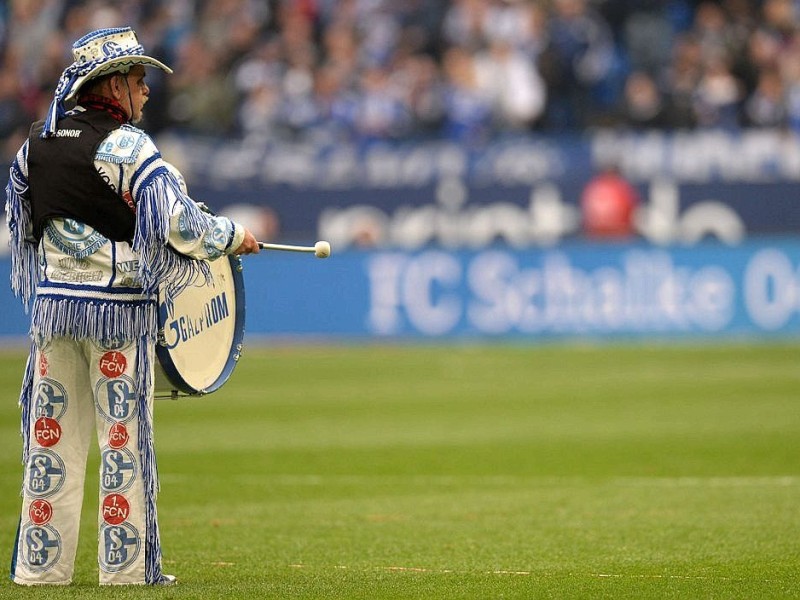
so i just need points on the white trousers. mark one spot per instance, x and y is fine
(80, 387)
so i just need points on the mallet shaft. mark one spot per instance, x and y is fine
(321, 249)
(287, 247)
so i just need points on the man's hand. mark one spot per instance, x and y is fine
(249, 245)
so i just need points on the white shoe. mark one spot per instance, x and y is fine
(167, 580)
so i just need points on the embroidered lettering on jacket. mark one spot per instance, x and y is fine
(72, 133)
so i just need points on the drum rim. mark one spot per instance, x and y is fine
(165, 358)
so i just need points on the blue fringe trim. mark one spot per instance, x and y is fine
(144, 384)
(26, 403)
(57, 109)
(106, 321)
(158, 263)
(24, 264)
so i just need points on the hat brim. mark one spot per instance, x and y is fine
(113, 66)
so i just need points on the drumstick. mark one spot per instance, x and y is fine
(321, 249)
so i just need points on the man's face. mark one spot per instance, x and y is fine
(134, 102)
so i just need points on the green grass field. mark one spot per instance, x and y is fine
(468, 472)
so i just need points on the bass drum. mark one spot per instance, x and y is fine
(201, 333)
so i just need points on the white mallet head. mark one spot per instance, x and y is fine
(322, 249)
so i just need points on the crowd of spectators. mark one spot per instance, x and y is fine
(463, 70)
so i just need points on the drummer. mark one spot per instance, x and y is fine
(98, 222)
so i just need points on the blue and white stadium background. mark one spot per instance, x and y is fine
(432, 241)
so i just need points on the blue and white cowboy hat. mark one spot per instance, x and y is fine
(113, 50)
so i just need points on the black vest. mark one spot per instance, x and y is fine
(63, 181)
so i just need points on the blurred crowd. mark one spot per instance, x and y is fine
(462, 70)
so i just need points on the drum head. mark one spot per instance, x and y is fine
(201, 333)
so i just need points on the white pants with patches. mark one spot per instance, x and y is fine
(78, 388)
